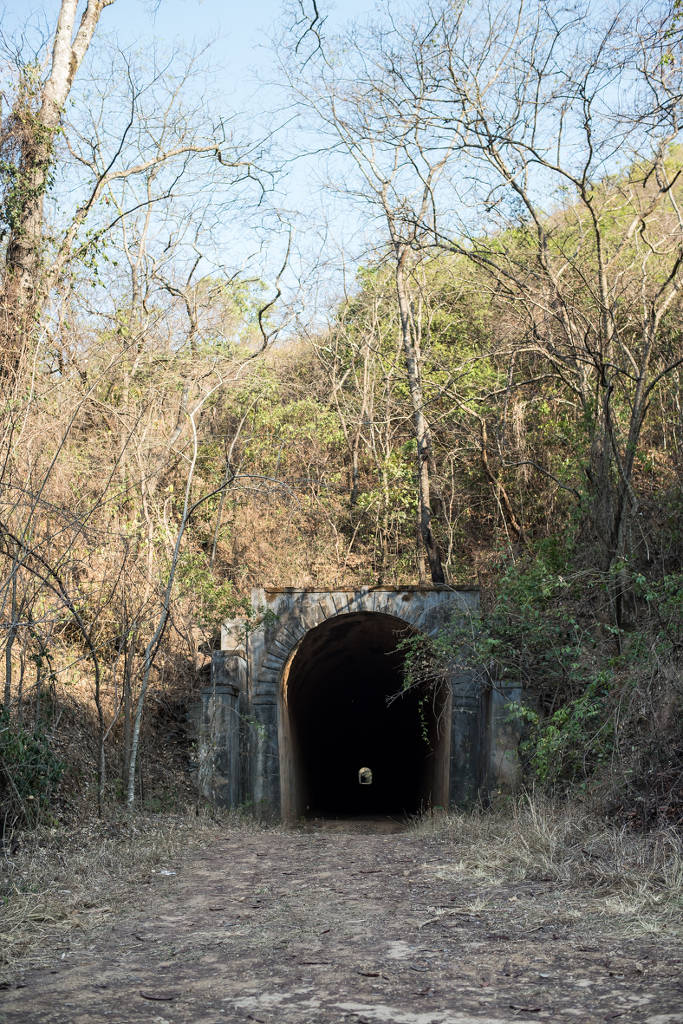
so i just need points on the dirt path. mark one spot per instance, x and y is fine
(316, 927)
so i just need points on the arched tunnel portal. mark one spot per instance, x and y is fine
(343, 709)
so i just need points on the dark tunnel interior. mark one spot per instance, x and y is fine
(339, 720)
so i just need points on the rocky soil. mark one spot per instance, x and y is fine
(344, 925)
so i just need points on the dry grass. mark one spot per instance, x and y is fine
(60, 881)
(636, 876)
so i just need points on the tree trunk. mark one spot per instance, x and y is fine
(9, 642)
(25, 285)
(502, 496)
(412, 359)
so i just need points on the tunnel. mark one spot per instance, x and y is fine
(352, 743)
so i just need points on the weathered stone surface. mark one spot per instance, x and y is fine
(503, 729)
(218, 753)
(482, 741)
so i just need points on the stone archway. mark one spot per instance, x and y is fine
(259, 750)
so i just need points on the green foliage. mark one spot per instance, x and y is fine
(566, 746)
(433, 656)
(29, 773)
(23, 135)
(213, 600)
(283, 429)
(601, 705)
(400, 496)
(540, 632)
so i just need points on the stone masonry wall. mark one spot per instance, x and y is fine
(244, 698)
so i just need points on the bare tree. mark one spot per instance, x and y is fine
(143, 321)
(358, 113)
(36, 119)
(545, 152)
(565, 148)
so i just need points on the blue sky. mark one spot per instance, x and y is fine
(240, 32)
(241, 28)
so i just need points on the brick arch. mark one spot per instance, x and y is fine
(282, 639)
(243, 708)
(356, 611)
(288, 614)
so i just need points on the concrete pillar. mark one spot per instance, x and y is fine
(465, 766)
(219, 756)
(504, 731)
(265, 759)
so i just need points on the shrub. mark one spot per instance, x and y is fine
(602, 705)
(29, 773)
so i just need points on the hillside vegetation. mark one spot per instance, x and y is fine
(496, 401)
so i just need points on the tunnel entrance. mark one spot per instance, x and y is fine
(350, 742)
